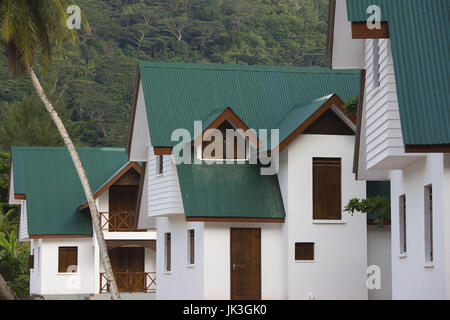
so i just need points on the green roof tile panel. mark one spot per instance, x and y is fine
(53, 191)
(178, 94)
(229, 190)
(420, 41)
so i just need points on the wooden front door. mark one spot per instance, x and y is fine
(128, 268)
(245, 264)
(122, 199)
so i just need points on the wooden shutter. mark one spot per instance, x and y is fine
(327, 188)
(304, 251)
(67, 256)
(31, 261)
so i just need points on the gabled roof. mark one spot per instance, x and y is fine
(229, 191)
(419, 36)
(178, 94)
(131, 165)
(50, 183)
(301, 117)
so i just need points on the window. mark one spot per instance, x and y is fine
(31, 261)
(225, 148)
(376, 63)
(168, 251)
(191, 246)
(428, 223)
(159, 164)
(402, 223)
(304, 251)
(326, 188)
(67, 259)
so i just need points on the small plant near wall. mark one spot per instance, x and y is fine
(351, 107)
(379, 207)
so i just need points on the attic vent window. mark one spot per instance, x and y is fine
(225, 143)
(376, 63)
(159, 165)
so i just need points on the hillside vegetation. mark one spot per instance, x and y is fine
(92, 82)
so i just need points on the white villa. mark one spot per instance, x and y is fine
(64, 259)
(225, 230)
(403, 128)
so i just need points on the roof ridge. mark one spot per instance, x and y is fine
(249, 68)
(56, 148)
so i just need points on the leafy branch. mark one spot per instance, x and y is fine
(378, 206)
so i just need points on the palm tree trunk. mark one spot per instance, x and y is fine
(5, 292)
(84, 181)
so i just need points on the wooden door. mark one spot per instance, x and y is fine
(245, 264)
(122, 199)
(128, 268)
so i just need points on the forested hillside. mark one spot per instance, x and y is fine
(92, 82)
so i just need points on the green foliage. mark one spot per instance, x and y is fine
(4, 174)
(21, 286)
(8, 220)
(26, 123)
(94, 80)
(13, 256)
(377, 207)
(351, 107)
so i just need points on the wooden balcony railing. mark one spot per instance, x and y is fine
(117, 221)
(130, 282)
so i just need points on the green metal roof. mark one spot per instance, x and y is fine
(420, 41)
(298, 115)
(178, 94)
(53, 191)
(229, 190)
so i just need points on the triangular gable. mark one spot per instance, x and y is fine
(115, 178)
(300, 119)
(216, 120)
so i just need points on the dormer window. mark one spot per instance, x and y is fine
(225, 143)
(376, 63)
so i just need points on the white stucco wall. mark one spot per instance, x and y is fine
(183, 281)
(217, 260)
(339, 268)
(379, 254)
(412, 277)
(49, 281)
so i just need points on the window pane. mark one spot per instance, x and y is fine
(67, 259)
(428, 223)
(402, 223)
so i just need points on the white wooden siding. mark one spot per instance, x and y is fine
(383, 134)
(164, 195)
(23, 226)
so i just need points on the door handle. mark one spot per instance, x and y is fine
(234, 266)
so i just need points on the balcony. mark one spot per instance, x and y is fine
(118, 221)
(130, 282)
